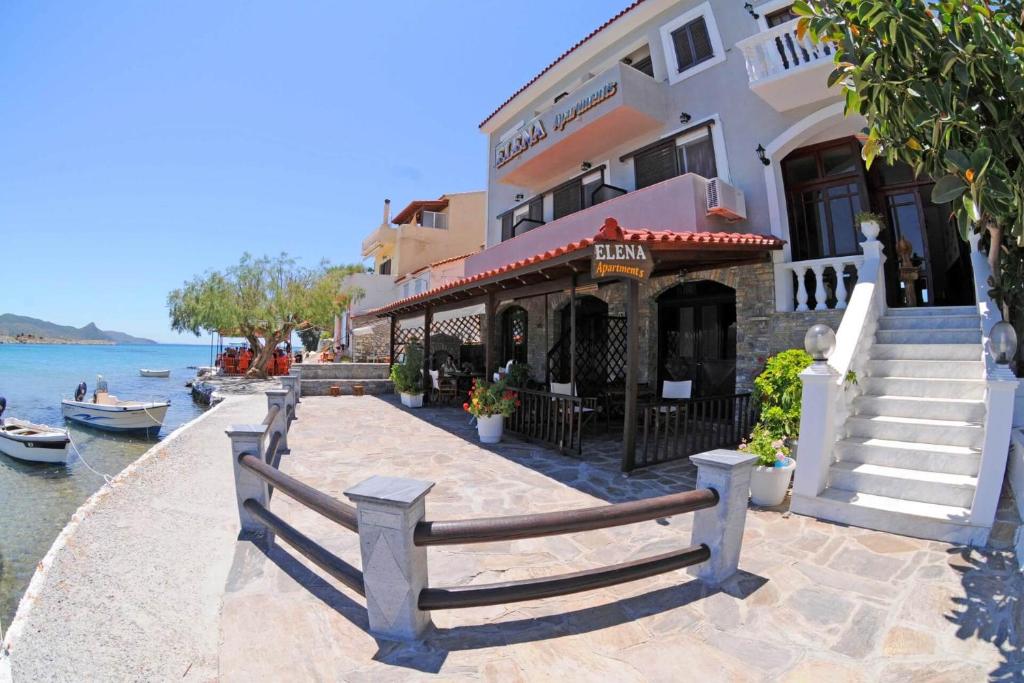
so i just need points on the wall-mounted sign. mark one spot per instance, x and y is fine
(563, 118)
(522, 140)
(618, 259)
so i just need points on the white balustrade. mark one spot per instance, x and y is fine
(778, 50)
(823, 292)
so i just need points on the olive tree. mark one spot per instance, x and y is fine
(941, 85)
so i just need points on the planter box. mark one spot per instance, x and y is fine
(768, 485)
(490, 429)
(412, 400)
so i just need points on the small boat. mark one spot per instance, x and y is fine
(108, 413)
(34, 443)
(154, 373)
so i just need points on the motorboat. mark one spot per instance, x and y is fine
(107, 412)
(34, 443)
(154, 373)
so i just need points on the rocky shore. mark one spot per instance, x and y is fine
(32, 339)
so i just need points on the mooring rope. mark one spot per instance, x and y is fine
(106, 477)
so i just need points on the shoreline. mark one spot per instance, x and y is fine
(36, 585)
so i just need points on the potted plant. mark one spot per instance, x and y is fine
(778, 392)
(490, 404)
(407, 377)
(870, 223)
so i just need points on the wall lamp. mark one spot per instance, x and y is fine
(750, 10)
(684, 118)
(586, 166)
(520, 197)
(760, 155)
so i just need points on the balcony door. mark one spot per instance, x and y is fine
(697, 337)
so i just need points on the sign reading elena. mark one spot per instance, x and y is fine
(617, 259)
(563, 118)
(521, 140)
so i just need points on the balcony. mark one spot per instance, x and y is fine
(785, 71)
(609, 109)
(678, 204)
(378, 239)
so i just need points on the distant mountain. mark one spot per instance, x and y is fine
(17, 325)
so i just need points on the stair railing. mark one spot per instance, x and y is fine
(1000, 390)
(825, 405)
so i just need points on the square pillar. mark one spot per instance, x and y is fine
(720, 528)
(248, 439)
(394, 568)
(279, 398)
(817, 432)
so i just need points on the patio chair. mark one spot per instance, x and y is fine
(441, 389)
(586, 413)
(675, 391)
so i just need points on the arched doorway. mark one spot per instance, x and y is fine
(600, 357)
(514, 332)
(697, 337)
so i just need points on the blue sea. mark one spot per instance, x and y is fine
(38, 500)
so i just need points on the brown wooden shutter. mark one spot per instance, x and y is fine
(701, 40)
(655, 164)
(506, 226)
(567, 199)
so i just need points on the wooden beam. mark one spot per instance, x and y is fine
(572, 337)
(489, 351)
(428, 384)
(632, 374)
(391, 340)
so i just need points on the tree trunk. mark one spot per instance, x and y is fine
(995, 247)
(259, 364)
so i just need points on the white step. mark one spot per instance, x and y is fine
(973, 389)
(918, 322)
(945, 432)
(927, 369)
(909, 454)
(909, 518)
(956, 490)
(932, 311)
(882, 351)
(928, 336)
(968, 410)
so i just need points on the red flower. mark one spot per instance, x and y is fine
(465, 406)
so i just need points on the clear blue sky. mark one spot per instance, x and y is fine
(144, 142)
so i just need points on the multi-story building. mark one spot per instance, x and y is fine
(705, 134)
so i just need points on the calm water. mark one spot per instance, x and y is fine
(38, 500)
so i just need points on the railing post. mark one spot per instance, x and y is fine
(394, 568)
(999, 399)
(841, 295)
(820, 295)
(248, 439)
(817, 431)
(279, 397)
(294, 384)
(801, 287)
(721, 527)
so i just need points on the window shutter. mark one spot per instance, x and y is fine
(567, 199)
(655, 164)
(701, 40)
(537, 209)
(684, 52)
(506, 226)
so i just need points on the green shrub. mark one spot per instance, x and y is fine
(778, 391)
(767, 448)
(518, 375)
(408, 375)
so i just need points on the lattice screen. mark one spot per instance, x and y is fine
(600, 360)
(469, 329)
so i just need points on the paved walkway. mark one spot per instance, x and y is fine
(134, 593)
(813, 602)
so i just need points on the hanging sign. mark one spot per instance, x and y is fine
(524, 138)
(563, 118)
(618, 259)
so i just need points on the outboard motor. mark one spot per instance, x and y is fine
(3, 407)
(80, 392)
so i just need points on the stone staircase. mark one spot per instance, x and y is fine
(908, 457)
(318, 378)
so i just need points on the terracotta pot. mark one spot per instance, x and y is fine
(490, 428)
(768, 485)
(412, 400)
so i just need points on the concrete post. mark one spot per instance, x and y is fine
(248, 439)
(721, 527)
(279, 397)
(294, 384)
(394, 569)
(817, 432)
(999, 398)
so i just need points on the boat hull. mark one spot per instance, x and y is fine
(155, 373)
(48, 448)
(137, 417)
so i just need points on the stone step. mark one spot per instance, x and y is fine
(955, 490)
(918, 430)
(968, 410)
(929, 322)
(927, 369)
(911, 455)
(928, 336)
(322, 387)
(932, 311)
(342, 370)
(909, 518)
(923, 387)
(882, 351)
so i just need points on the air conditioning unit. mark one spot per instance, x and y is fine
(725, 201)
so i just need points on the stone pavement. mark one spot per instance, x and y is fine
(814, 601)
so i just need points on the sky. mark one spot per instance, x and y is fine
(142, 143)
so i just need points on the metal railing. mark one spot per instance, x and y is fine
(678, 429)
(553, 419)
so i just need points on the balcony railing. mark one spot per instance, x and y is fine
(433, 219)
(778, 50)
(826, 281)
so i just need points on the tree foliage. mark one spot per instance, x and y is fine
(262, 299)
(941, 85)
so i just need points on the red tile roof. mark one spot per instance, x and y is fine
(563, 56)
(452, 259)
(609, 231)
(408, 213)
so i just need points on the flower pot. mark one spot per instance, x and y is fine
(412, 400)
(768, 485)
(490, 428)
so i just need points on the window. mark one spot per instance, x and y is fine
(690, 153)
(522, 219)
(385, 267)
(576, 194)
(691, 43)
(780, 16)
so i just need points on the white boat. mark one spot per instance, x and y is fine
(33, 443)
(154, 373)
(108, 413)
